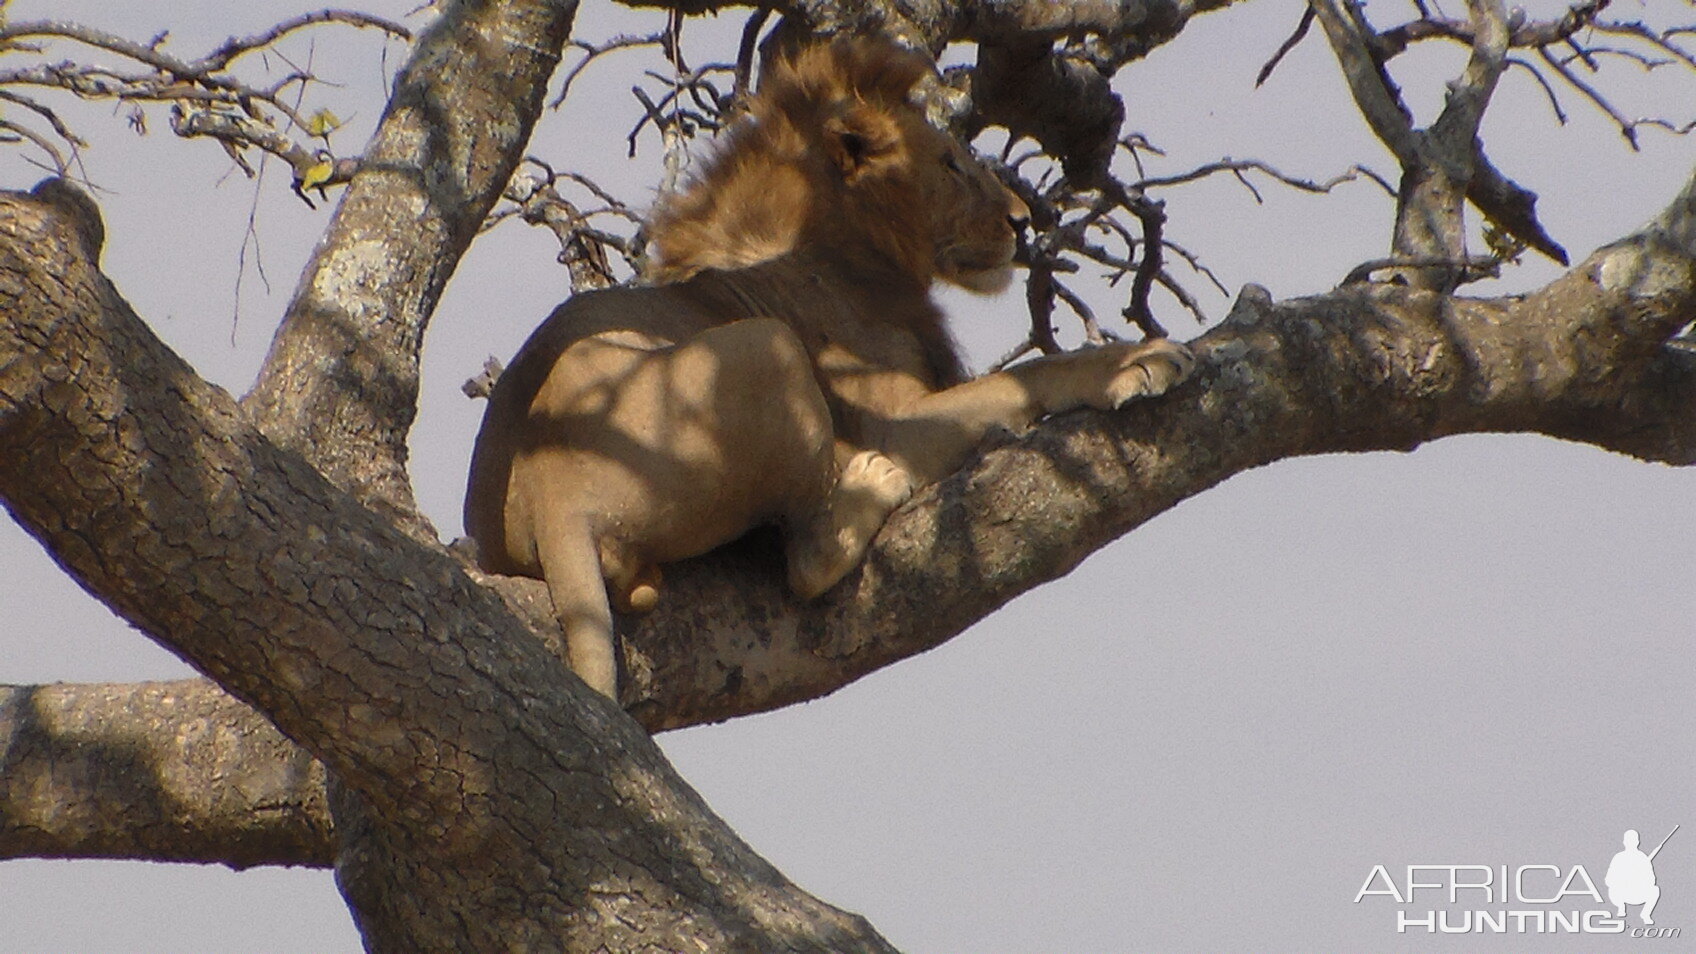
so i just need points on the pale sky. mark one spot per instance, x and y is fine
(1205, 738)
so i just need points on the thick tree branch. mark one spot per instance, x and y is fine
(1456, 128)
(340, 385)
(479, 792)
(1142, 23)
(1375, 95)
(546, 812)
(1510, 207)
(1382, 368)
(1357, 369)
(150, 486)
(1444, 165)
(175, 771)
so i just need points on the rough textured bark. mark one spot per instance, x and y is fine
(1365, 368)
(340, 386)
(482, 797)
(528, 808)
(174, 771)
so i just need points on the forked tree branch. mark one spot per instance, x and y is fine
(442, 720)
(205, 98)
(340, 386)
(1363, 368)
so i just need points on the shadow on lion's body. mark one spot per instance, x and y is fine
(788, 367)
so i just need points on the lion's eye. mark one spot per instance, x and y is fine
(949, 161)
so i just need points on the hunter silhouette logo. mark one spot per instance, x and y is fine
(1631, 877)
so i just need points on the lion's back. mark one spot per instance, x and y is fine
(663, 312)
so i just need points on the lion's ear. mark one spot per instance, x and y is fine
(861, 140)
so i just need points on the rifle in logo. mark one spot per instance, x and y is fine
(1631, 877)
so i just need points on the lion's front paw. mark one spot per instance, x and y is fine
(1149, 370)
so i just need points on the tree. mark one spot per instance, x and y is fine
(512, 805)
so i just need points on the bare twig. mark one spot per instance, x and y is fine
(584, 250)
(1195, 264)
(205, 99)
(220, 58)
(1240, 166)
(1592, 57)
(1627, 128)
(593, 51)
(1659, 40)
(1543, 81)
(1531, 33)
(1472, 267)
(61, 164)
(1289, 44)
(1152, 215)
(1093, 332)
(676, 124)
(1039, 298)
(1183, 296)
(1015, 353)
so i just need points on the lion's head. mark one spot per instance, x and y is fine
(833, 157)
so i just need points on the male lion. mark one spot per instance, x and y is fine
(786, 364)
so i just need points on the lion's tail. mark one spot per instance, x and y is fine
(571, 564)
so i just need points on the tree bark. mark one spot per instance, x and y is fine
(174, 771)
(1360, 369)
(498, 798)
(481, 796)
(340, 386)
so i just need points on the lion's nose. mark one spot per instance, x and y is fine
(1018, 213)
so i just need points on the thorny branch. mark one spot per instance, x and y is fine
(204, 96)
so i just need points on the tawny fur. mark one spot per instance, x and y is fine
(786, 365)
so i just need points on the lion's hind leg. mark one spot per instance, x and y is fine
(750, 386)
(823, 547)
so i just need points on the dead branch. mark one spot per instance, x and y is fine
(593, 51)
(1239, 166)
(1522, 34)
(1302, 26)
(585, 250)
(205, 100)
(745, 50)
(1627, 128)
(670, 118)
(1476, 267)
(222, 57)
(1661, 40)
(1542, 81)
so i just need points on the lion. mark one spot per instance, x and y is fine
(784, 363)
